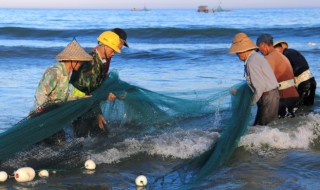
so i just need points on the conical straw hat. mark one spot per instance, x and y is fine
(242, 43)
(73, 52)
(283, 43)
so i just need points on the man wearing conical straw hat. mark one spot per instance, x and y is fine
(91, 75)
(54, 85)
(260, 78)
(289, 96)
(304, 80)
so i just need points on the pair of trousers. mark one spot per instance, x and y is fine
(268, 106)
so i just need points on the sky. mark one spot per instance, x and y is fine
(157, 4)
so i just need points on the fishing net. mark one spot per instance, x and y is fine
(139, 107)
(237, 126)
(35, 129)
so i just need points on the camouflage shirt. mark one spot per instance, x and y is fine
(91, 74)
(53, 87)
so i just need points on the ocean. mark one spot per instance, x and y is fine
(170, 51)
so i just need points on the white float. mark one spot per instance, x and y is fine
(24, 174)
(90, 165)
(43, 173)
(141, 180)
(3, 176)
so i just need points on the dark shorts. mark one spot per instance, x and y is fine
(268, 106)
(87, 126)
(288, 107)
(307, 91)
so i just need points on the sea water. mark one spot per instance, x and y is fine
(170, 51)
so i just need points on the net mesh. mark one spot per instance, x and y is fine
(236, 126)
(35, 129)
(144, 109)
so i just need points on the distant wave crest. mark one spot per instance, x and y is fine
(156, 35)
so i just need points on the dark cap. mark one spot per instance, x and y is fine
(122, 34)
(265, 38)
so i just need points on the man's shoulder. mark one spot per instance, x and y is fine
(291, 52)
(275, 55)
(53, 70)
(255, 56)
(91, 66)
(85, 67)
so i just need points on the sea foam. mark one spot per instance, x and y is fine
(297, 135)
(176, 144)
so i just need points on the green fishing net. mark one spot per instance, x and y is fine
(143, 109)
(236, 126)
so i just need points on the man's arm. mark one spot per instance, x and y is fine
(46, 85)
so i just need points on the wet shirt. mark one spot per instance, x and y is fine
(298, 62)
(259, 76)
(91, 74)
(283, 72)
(53, 86)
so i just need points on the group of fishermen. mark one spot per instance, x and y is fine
(280, 82)
(86, 73)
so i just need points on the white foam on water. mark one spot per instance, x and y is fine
(183, 144)
(36, 182)
(121, 150)
(293, 135)
(312, 44)
(176, 144)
